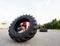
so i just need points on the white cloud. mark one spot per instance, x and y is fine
(43, 10)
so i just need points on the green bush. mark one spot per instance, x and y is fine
(54, 24)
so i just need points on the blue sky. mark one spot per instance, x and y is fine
(43, 10)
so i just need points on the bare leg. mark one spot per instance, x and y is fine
(23, 28)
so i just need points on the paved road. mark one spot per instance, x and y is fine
(50, 38)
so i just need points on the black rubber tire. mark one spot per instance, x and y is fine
(43, 30)
(28, 34)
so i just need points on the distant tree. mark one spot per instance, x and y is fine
(54, 24)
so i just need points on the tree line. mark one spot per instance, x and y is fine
(54, 24)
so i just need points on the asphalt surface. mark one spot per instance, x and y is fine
(50, 38)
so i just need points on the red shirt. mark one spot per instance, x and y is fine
(24, 23)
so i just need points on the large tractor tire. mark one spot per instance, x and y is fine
(24, 36)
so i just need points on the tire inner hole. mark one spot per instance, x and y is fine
(22, 25)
